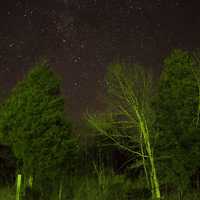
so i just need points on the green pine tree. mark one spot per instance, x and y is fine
(177, 120)
(33, 123)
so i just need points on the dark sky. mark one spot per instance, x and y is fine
(81, 37)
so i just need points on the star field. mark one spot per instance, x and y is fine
(80, 38)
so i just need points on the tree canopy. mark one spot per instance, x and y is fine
(33, 123)
(177, 118)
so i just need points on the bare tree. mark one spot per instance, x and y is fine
(129, 90)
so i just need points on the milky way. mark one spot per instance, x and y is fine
(80, 38)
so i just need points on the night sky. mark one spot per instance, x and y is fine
(81, 37)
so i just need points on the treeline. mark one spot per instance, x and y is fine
(146, 144)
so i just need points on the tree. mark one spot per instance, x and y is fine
(129, 91)
(33, 123)
(177, 116)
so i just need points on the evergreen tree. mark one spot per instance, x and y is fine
(33, 123)
(177, 114)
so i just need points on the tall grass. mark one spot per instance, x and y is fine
(7, 193)
(87, 188)
(109, 188)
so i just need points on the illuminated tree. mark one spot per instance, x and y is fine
(177, 113)
(33, 123)
(129, 91)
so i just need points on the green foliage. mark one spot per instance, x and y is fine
(34, 126)
(176, 108)
(111, 187)
(7, 193)
(33, 123)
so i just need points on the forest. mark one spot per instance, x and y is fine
(144, 145)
